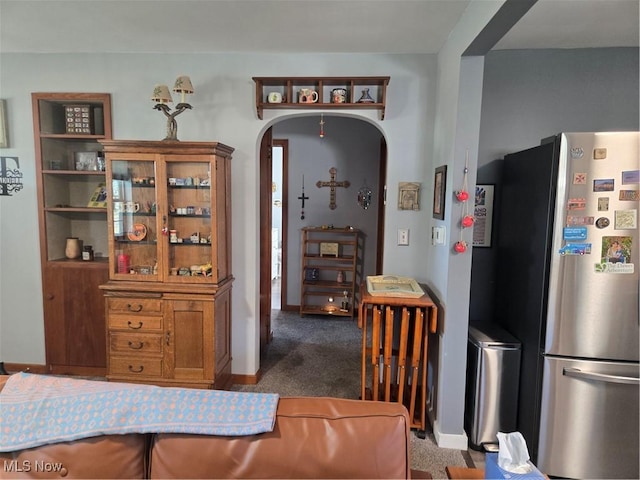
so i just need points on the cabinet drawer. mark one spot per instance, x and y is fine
(139, 306)
(135, 366)
(138, 323)
(121, 342)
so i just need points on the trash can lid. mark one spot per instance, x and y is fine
(491, 335)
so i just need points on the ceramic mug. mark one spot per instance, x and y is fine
(131, 207)
(275, 97)
(339, 95)
(306, 95)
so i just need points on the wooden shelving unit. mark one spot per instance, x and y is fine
(74, 318)
(325, 254)
(288, 88)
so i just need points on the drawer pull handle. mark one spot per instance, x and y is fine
(136, 345)
(132, 327)
(136, 309)
(133, 370)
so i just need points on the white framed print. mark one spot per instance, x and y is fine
(483, 215)
(4, 140)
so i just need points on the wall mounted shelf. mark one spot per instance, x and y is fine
(288, 90)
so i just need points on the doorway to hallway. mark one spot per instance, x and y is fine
(357, 150)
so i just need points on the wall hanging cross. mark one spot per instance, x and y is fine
(332, 184)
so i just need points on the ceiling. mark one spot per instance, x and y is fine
(292, 26)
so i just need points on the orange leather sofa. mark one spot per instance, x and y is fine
(313, 437)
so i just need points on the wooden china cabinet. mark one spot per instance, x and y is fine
(168, 298)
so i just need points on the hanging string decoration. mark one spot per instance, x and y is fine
(321, 125)
(466, 220)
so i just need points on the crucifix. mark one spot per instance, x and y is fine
(302, 197)
(332, 184)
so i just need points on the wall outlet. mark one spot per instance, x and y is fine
(403, 236)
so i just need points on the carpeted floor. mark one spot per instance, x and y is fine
(320, 356)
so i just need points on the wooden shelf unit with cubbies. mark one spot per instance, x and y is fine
(67, 128)
(328, 253)
(288, 89)
(168, 298)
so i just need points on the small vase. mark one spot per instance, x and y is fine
(72, 248)
(365, 98)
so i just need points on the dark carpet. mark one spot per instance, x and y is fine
(320, 356)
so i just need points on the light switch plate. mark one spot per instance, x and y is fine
(403, 236)
(438, 235)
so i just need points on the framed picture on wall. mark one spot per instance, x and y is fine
(483, 214)
(4, 141)
(439, 191)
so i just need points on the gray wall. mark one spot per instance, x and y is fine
(353, 147)
(532, 94)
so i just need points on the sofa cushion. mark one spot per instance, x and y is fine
(314, 437)
(109, 456)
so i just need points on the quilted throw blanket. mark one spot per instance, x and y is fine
(38, 409)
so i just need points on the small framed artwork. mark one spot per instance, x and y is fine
(439, 191)
(4, 140)
(408, 196)
(328, 249)
(483, 214)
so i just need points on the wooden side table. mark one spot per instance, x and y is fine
(397, 354)
(462, 473)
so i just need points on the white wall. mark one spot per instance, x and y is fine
(223, 111)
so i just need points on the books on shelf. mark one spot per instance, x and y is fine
(99, 197)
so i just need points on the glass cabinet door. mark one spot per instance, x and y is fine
(134, 228)
(189, 220)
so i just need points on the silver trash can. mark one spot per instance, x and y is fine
(493, 375)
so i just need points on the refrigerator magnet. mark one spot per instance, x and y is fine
(625, 219)
(599, 153)
(575, 249)
(574, 233)
(602, 222)
(603, 185)
(573, 221)
(577, 152)
(630, 195)
(603, 204)
(615, 255)
(631, 177)
(579, 178)
(576, 204)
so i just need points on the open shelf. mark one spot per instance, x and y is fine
(361, 93)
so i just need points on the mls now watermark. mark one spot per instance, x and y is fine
(16, 466)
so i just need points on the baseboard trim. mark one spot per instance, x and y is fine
(448, 440)
(237, 379)
(25, 367)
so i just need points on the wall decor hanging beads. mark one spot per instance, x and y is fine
(466, 220)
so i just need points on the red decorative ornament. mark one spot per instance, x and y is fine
(462, 195)
(467, 221)
(460, 247)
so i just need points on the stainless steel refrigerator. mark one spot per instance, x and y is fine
(567, 288)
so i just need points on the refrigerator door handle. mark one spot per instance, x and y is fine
(602, 377)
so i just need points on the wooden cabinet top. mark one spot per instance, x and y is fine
(167, 147)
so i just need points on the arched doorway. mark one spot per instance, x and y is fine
(357, 149)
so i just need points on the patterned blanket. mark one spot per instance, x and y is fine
(38, 409)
